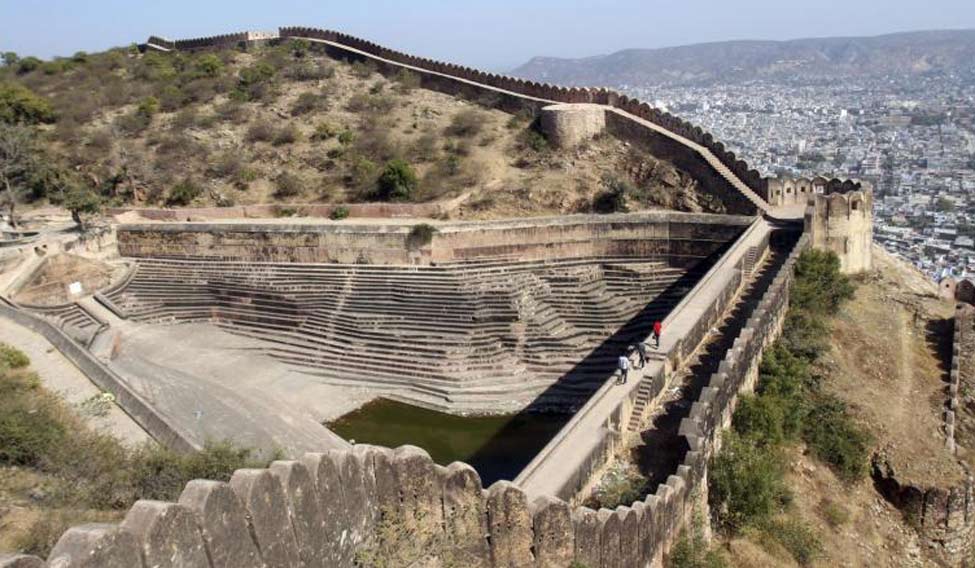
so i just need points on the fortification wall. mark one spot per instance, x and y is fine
(841, 220)
(271, 211)
(669, 235)
(343, 506)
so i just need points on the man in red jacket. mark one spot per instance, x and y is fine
(657, 329)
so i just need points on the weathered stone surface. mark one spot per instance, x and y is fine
(20, 561)
(167, 535)
(609, 539)
(338, 546)
(367, 456)
(568, 125)
(420, 494)
(509, 524)
(96, 546)
(223, 523)
(629, 537)
(264, 499)
(554, 534)
(350, 468)
(586, 524)
(647, 537)
(465, 520)
(304, 506)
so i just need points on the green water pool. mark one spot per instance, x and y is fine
(498, 447)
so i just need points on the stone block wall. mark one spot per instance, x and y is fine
(681, 238)
(567, 126)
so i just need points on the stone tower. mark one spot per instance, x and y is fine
(840, 219)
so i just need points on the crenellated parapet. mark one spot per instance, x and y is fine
(838, 217)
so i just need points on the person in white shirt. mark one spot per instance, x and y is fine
(624, 367)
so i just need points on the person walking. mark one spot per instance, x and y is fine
(624, 366)
(641, 351)
(657, 329)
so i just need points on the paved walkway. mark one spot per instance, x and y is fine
(61, 376)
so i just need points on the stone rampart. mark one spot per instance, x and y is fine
(670, 235)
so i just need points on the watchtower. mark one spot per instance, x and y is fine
(840, 219)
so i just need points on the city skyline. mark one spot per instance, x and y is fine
(469, 34)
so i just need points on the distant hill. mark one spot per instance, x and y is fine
(800, 60)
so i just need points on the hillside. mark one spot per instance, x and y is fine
(886, 362)
(795, 61)
(285, 124)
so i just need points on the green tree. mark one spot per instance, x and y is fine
(28, 64)
(20, 105)
(18, 164)
(397, 181)
(83, 203)
(209, 65)
(10, 59)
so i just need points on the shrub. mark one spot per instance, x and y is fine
(819, 286)
(363, 70)
(310, 71)
(613, 198)
(30, 424)
(133, 123)
(620, 488)
(800, 540)
(12, 358)
(10, 59)
(362, 172)
(20, 105)
(534, 140)
(28, 64)
(287, 185)
(465, 124)
(288, 134)
(374, 103)
(397, 181)
(307, 102)
(183, 193)
(346, 137)
(323, 131)
(421, 235)
(260, 131)
(339, 213)
(208, 65)
(834, 514)
(161, 474)
(746, 483)
(148, 107)
(407, 80)
(836, 440)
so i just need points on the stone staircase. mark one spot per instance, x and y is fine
(462, 336)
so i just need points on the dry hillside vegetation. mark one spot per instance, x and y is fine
(288, 125)
(887, 365)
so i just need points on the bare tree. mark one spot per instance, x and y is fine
(18, 155)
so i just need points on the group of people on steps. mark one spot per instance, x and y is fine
(623, 363)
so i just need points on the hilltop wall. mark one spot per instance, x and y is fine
(665, 234)
(369, 503)
(508, 92)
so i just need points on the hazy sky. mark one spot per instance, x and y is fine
(497, 35)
